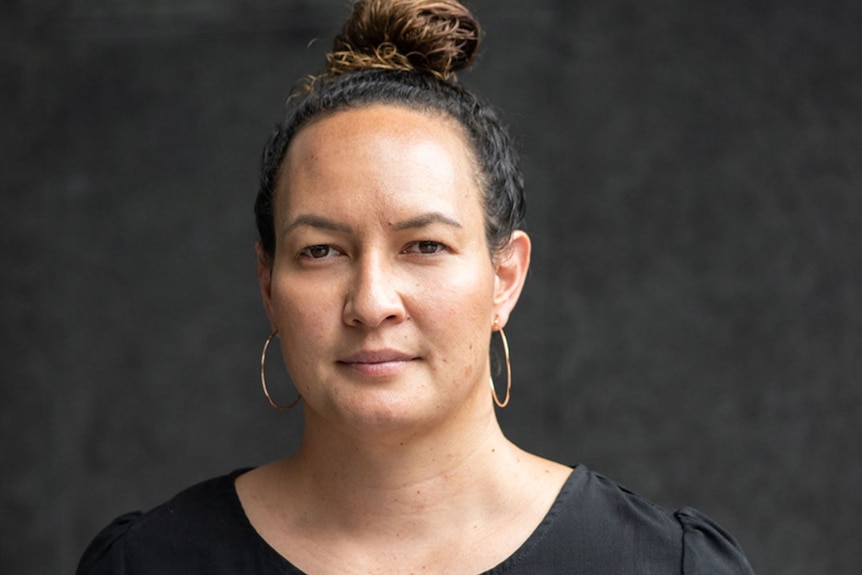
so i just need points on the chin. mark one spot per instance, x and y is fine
(386, 415)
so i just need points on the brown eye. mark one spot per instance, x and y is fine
(425, 247)
(430, 247)
(317, 252)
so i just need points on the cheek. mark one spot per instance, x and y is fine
(303, 316)
(466, 291)
(458, 309)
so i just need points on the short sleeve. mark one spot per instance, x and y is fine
(106, 553)
(707, 549)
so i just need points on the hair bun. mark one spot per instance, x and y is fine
(438, 37)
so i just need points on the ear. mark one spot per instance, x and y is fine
(511, 272)
(264, 278)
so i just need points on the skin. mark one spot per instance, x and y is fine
(385, 295)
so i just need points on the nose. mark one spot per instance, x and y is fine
(373, 298)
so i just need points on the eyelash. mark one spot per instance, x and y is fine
(439, 247)
(306, 252)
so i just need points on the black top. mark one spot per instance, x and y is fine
(595, 527)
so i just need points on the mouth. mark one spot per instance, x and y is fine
(377, 363)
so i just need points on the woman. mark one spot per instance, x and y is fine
(390, 250)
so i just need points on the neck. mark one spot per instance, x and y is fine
(456, 495)
(401, 478)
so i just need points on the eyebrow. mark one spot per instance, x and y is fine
(317, 222)
(323, 223)
(426, 220)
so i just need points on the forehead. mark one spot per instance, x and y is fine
(382, 147)
(344, 130)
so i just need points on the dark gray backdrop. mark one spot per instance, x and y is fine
(692, 325)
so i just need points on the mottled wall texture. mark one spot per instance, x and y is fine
(692, 326)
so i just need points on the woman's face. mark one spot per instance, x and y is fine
(382, 286)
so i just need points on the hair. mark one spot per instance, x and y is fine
(405, 53)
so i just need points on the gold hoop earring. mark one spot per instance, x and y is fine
(263, 378)
(505, 401)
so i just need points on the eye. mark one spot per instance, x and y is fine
(425, 247)
(317, 252)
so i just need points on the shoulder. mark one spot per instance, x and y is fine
(597, 522)
(203, 525)
(707, 548)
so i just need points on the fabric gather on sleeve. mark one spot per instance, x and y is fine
(707, 549)
(106, 553)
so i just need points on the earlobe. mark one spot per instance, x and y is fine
(264, 278)
(511, 273)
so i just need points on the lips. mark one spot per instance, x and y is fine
(377, 363)
(377, 356)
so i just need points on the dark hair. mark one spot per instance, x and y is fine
(405, 53)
